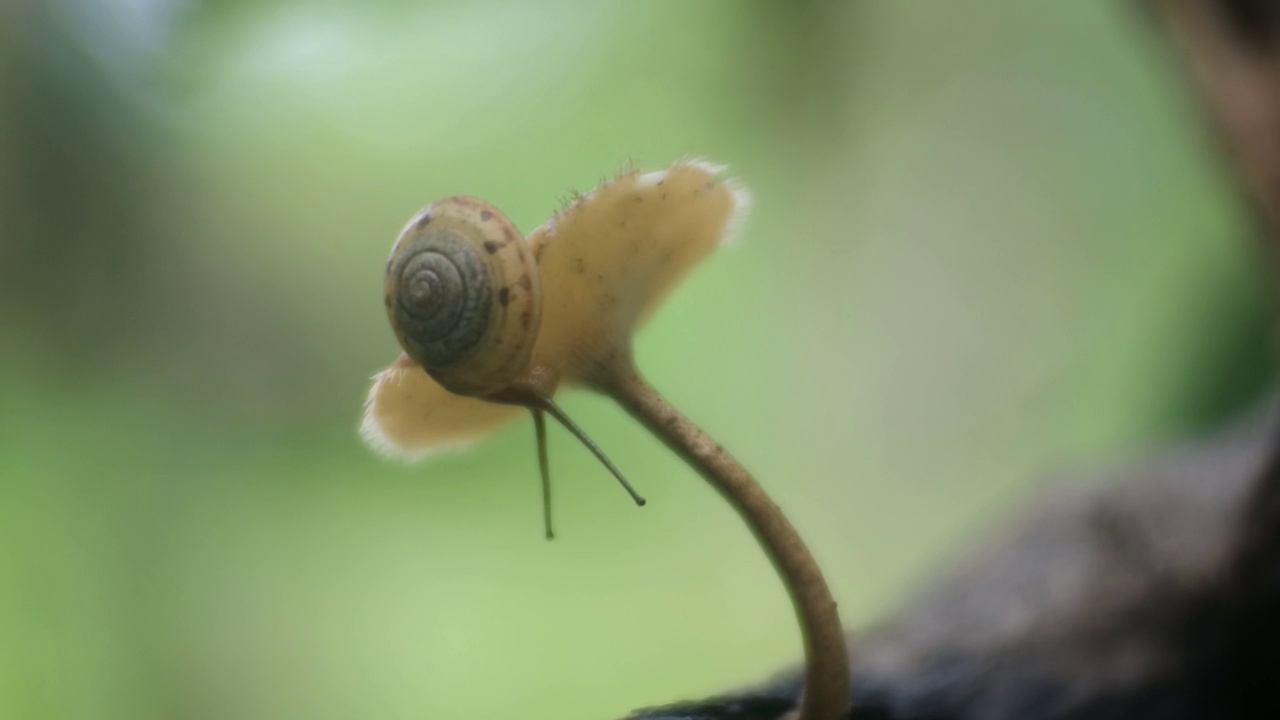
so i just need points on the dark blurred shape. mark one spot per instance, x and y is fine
(78, 236)
(1105, 600)
(1155, 595)
(1228, 49)
(1257, 21)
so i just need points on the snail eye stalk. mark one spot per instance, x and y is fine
(540, 433)
(546, 405)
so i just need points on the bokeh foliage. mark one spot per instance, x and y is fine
(989, 241)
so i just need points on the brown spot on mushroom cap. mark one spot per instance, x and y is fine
(492, 246)
(504, 296)
(486, 215)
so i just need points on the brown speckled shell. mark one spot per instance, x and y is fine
(463, 296)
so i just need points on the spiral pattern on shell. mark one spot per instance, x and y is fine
(463, 297)
(444, 298)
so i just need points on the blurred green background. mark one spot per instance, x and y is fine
(989, 241)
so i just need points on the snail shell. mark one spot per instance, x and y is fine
(463, 296)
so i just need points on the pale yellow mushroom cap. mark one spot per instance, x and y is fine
(408, 414)
(606, 261)
(609, 258)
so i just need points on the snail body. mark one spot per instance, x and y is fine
(463, 295)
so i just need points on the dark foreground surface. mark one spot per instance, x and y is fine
(1144, 591)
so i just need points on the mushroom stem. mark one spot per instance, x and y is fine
(827, 685)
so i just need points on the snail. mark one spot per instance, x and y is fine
(464, 299)
(490, 322)
(463, 295)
